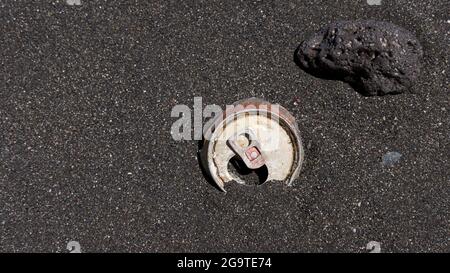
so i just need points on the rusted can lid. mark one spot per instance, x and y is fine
(252, 137)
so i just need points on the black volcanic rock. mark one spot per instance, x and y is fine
(375, 58)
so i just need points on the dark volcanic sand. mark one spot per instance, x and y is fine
(86, 152)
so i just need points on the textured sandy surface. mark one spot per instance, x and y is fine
(86, 153)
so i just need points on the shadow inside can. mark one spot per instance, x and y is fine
(238, 169)
(250, 177)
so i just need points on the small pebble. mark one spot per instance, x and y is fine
(374, 2)
(391, 158)
(73, 2)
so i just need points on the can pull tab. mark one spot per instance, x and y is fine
(247, 148)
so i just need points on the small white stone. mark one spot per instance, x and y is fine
(73, 2)
(374, 2)
(391, 158)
